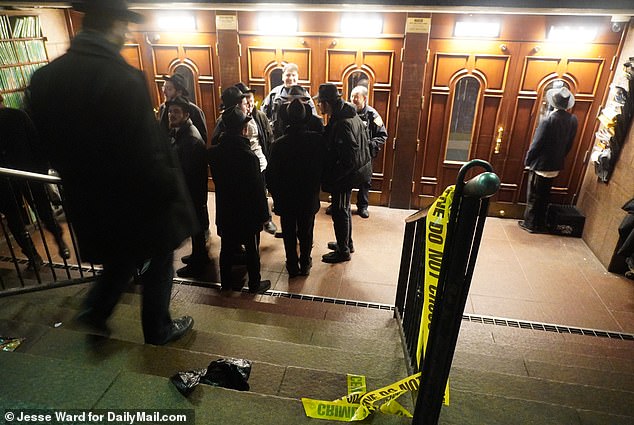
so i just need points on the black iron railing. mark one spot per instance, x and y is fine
(38, 249)
(464, 232)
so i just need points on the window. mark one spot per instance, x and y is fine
(465, 99)
(186, 72)
(357, 78)
(275, 77)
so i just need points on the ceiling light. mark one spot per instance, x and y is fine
(477, 29)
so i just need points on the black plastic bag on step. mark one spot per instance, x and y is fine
(185, 382)
(226, 373)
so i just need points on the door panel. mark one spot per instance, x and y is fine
(488, 64)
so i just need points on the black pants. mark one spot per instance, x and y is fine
(363, 194)
(537, 198)
(199, 248)
(229, 244)
(342, 219)
(298, 227)
(157, 290)
(11, 195)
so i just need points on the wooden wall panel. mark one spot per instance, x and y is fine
(301, 57)
(164, 55)
(336, 63)
(590, 69)
(487, 130)
(132, 55)
(381, 64)
(435, 143)
(258, 60)
(534, 70)
(201, 57)
(446, 67)
(496, 69)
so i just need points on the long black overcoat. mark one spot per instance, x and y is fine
(124, 189)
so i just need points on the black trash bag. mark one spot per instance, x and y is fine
(186, 381)
(226, 373)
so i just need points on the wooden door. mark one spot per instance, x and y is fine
(468, 88)
(512, 78)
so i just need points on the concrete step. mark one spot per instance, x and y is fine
(376, 334)
(83, 387)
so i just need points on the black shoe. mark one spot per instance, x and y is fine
(270, 227)
(333, 246)
(525, 227)
(335, 257)
(191, 270)
(304, 269)
(329, 210)
(262, 287)
(279, 235)
(178, 328)
(363, 212)
(91, 324)
(293, 269)
(187, 259)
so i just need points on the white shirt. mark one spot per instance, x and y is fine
(252, 135)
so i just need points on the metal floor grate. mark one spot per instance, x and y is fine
(488, 320)
(547, 327)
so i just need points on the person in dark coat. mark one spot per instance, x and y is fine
(192, 156)
(175, 86)
(545, 157)
(315, 122)
(19, 150)
(241, 207)
(265, 133)
(294, 178)
(348, 164)
(125, 193)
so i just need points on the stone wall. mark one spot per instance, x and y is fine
(600, 202)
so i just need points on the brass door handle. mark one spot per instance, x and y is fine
(498, 140)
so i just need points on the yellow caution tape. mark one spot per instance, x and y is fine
(364, 404)
(435, 236)
(359, 404)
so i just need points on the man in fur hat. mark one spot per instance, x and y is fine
(545, 157)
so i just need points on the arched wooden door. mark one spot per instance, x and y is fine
(512, 78)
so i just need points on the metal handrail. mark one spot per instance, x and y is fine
(28, 175)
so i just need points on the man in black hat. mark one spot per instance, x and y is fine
(273, 101)
(125, 192)
(234, 97)
(241, 207)
(315, 122)
(192, 156)
(348, 164)
(294, 178)
(175, 86)
(545, 157)
(265, 133)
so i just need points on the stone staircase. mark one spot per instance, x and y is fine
(500, 375)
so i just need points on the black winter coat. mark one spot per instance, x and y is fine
(348, 161)
(294, 171)
(124, 188)
(192, 156)
(552, 142)
(241, 206)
